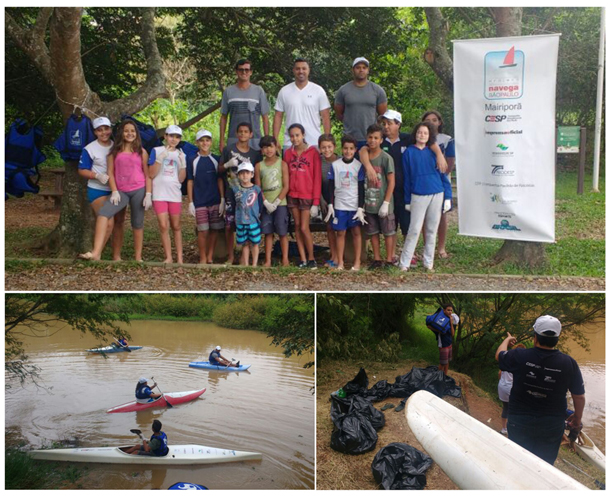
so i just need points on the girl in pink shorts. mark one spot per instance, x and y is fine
(168, 169)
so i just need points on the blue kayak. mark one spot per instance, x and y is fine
(207, 365)
(187, 486)
(111, 349)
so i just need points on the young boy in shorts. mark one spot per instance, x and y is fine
(347, 201)
(232, 156)
(206, 194)
(379, 209)
(272, 176)
(248, 201)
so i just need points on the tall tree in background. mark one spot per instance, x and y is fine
(53, 44)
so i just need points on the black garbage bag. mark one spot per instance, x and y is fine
(399, 466)
(430, 379)
(358, 385)
(379, 391)
(353, 434)
(341, 406)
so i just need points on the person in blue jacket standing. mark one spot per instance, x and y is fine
(427, 194)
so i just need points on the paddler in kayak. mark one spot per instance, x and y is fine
(157, 446)
(121, 343)
(216, 359)
(144, 393)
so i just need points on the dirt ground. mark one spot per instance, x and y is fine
(337, 471)
(33, 211)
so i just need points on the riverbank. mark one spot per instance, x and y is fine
(337, 471)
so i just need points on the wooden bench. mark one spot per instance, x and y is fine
(58, 191)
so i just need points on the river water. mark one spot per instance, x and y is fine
(268, 409)
(592, 365)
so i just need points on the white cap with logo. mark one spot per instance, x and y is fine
(203, 133)
(547, 326)
(218, 347)
(172, 129)
(393, 114)
(101, 121)
(359, 60)
(143, 380)
(246, 166)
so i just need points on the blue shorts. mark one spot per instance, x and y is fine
(93, 194)
(276, 222)
(248, 232)
(342, 221)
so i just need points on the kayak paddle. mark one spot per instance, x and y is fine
(596, 482)
(138, 432)
(123, 346)
(166, 400)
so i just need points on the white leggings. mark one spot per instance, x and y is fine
(425, 210)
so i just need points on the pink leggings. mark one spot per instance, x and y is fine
(164, 207)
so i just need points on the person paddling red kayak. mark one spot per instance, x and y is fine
(144, 393)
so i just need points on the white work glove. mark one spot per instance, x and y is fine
(182, 160)
(383, 212)
(148, 201)
(330, 214)
(115, 198)
(314, 211)
(447, 205)
(232, 164)
(360, 215)
(162, 155)
(269, 206)
(192, 209)
(102, 178)
(277, 203)
(408, 207)
(222, 207)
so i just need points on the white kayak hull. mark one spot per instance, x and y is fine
(178, 455)
(474, 456)
(590, 452)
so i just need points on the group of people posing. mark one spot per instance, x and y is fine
(384, 180)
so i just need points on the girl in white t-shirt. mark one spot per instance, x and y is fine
(168, 169)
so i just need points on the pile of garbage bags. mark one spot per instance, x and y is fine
(399, 466)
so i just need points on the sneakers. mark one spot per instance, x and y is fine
(504, 431)
(311, 265)
(302, 265)
(375, 265)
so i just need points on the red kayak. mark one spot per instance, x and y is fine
(173, 398)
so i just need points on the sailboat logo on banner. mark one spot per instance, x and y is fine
(504, 74)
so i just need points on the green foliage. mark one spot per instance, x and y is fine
(244, 314)
(362, 325)
(30, 315)
(289, 321)
(22, 472)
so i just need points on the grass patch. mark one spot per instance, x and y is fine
(22, 472)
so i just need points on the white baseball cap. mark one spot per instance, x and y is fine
(246, 166)
(143, 380)
(101, 121)
(202, 133)
(218, 347)
(455, 318)
(547, 326)
(172, 129)
(358, 60)
(393, 114)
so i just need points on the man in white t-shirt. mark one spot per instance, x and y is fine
(304, 103)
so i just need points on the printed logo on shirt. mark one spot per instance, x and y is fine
(549, 379)
(538, 395)
(531, 375)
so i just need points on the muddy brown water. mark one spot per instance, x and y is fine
(592, 365)
(268, 409)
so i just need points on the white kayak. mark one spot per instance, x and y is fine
(178, 455)
(474, 456)
(590, 452)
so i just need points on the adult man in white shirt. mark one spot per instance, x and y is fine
(304, 103)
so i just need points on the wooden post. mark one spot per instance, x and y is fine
(582, 160)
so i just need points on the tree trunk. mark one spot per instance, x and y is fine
(61, 66)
